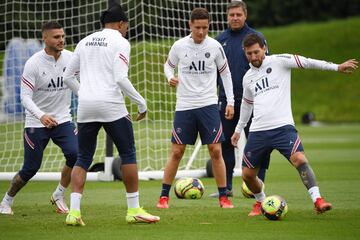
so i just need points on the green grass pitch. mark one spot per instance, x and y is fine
(334, 155)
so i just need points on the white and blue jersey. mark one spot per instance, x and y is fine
(267, 91)
(43, 90)
(197, 66)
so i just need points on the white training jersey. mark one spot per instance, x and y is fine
(198, 65)
(43, 90)
(103, 61)
(267, 91)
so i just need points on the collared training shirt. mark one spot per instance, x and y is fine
(197, 66)
(267, 91)
(43, 90)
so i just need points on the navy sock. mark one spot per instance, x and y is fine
(222, 191)
(165, 190)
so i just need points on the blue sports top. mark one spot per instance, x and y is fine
(231, 41)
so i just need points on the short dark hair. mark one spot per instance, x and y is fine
(199, 14)
(50, 25)
(252, 39)
(237, 4)
(113, 14)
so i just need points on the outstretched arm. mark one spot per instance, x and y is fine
(349, 66)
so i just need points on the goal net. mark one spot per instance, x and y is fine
(153, 27)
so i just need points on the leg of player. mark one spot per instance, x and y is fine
(249, 176)
(122, 134)
(87, 137)
(58, 198)
(35, 140)
(78, 177)
(307, 176)
(218, 166)
(16, 184)
(65, 136)
(171, 167)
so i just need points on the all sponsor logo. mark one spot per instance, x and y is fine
(56, 83)
(199, 66)
(264, 83)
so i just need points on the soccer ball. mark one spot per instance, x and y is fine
(274, 207)
(189, 188)
(247, 192)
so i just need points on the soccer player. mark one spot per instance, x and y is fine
(267, 92)
(103, 61)
(198, 57)
(47, 115)
(231, 40)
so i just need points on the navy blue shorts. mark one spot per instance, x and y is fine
(205, 121)
(35, 141)
(260, 145)
(120, 131)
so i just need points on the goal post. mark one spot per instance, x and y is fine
(154, 25)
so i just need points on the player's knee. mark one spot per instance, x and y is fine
(71, 159)
(83, 162)
(177, 153)
(128, 158)
(248, 174)
(298, 159)
(27, 174)
(215, 152)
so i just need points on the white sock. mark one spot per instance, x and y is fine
(59, 191)
(133, 200)
(260, 196)
(75, 199)
(314, 193)
(8, 200)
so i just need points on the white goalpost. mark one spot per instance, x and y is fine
(153, 26)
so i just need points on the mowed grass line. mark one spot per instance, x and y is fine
(332, 150)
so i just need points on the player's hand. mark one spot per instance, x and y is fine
(349, 66)
(48, 121)
(229, 112)
(174, 81)
(140, 116)
(235, 138)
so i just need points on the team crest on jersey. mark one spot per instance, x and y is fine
(207, 55)
(44, 74)
(268, 70)
(178, 130)
(64, 69)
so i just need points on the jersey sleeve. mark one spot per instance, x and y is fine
(246, 108)
(72, 71)
(296, 61)
(225, 74)
(27, 88)
(171, 62)
(120, 72)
